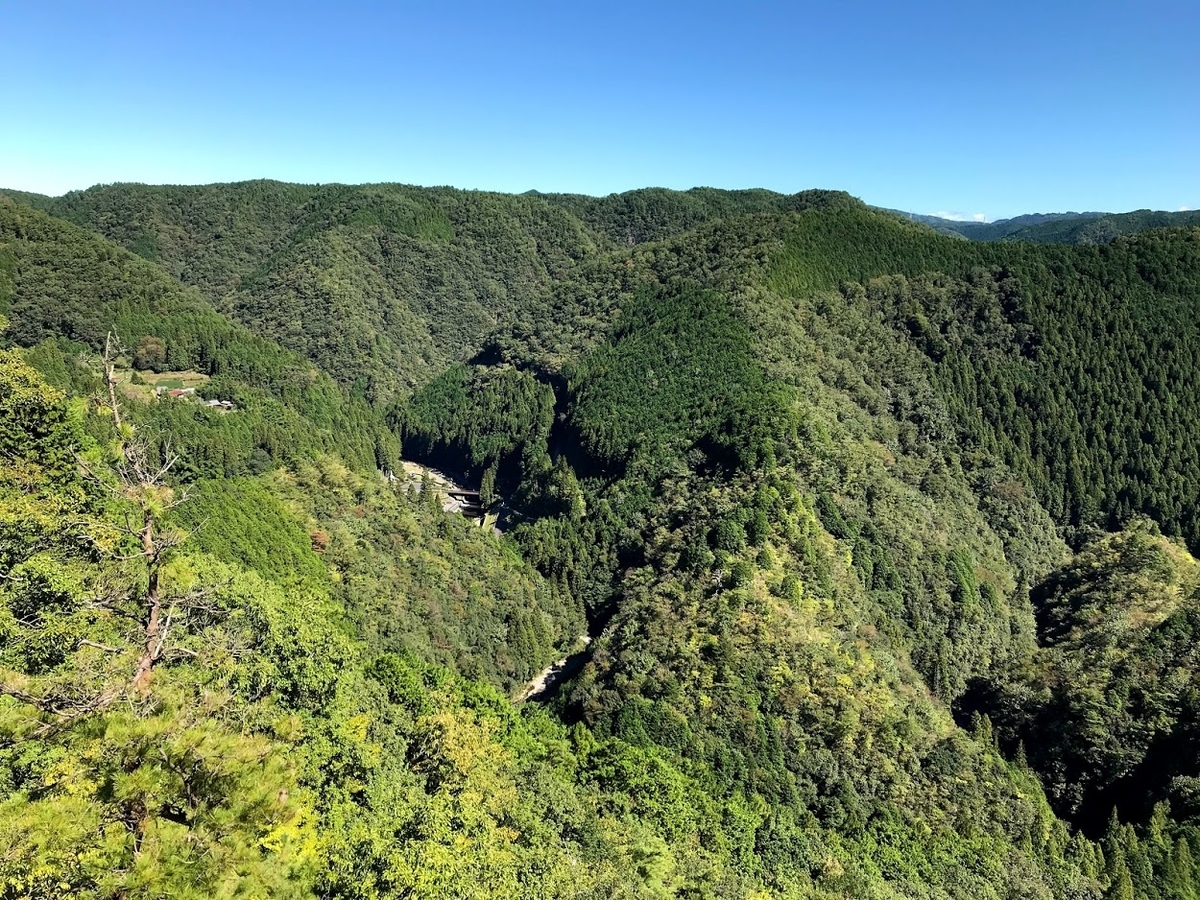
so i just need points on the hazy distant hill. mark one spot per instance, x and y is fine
(1059, 228)
(1102, 228)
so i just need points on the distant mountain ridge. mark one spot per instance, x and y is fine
(1058, 228)
(627, 218)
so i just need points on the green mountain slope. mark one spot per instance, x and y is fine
(654, 214)
(955, 344)
(65, 289)
(382, 285)
(1001, 229)
(264, 749)
(1070, 362)
(37, 201)
(369, 769)
(809, 471)
(1103, 228)
(70, 287)
(1115, 677)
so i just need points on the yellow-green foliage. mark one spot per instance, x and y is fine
(414, 578)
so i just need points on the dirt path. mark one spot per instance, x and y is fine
(495, 520)
(415, 473)
(546, 683)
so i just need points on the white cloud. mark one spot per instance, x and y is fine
(1186, 209)
(962, 217)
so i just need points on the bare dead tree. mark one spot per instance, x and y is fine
(142, 482)
(137, 477)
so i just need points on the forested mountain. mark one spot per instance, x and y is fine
(63, 289)
(996, 230)
(382, 285)
(1060, 228)
(652, 214)
(883, 539)
(386, 285)
(1102, 228)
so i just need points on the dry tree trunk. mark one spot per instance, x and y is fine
(139, 481)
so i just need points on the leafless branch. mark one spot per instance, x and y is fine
(84, 642)
(162, 639)
(65, 706)
(112, 349)
(41, 704)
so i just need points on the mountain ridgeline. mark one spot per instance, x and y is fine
(882, 537)
(1060, 228)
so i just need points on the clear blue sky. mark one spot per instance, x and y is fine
(972, 108)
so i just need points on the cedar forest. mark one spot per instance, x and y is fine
(881, 529)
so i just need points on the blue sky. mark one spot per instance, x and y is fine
(966, 108)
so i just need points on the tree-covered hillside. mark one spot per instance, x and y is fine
(653, 214)
(880, 537)
(1060, 228)
(1116, 675)
(382, 285)
(1071, 363)
(63, 289)
(1101, 229)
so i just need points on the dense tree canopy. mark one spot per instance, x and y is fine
(808, 474)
